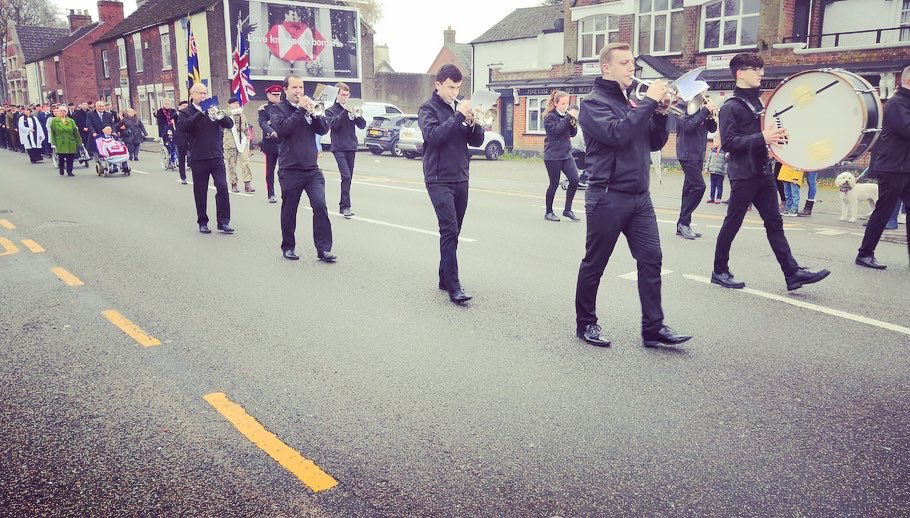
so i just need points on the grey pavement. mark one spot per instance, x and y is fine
(785, 404)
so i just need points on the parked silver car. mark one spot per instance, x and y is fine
(410, 141)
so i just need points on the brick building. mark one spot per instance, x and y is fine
(669, 37)
(452, 53)
(65, 71)
(23, 44)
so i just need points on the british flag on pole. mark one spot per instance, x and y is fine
(240, 83)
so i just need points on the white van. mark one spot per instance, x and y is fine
(370, 110)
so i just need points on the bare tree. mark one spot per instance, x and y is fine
(41, 13)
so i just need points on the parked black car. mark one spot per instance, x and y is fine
(382, 133)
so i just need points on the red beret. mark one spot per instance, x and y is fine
(274, 89)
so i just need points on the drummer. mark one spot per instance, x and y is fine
(751, 179)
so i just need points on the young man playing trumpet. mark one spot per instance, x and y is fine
(297, 126)
(751, 178)
(691, 141)
(620, 137)
(342, 123)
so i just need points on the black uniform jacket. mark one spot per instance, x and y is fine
(297, 142)
(203, 135)
(620, 138)
(891, 153)
(344, 136)
(558, 144)
(269, 143)
(446, 138)
(741, 137)
(692, 135)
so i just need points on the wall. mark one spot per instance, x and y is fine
(526, 54)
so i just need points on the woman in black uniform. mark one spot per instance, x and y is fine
(561, 125)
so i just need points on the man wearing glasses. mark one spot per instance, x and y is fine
(751, 179)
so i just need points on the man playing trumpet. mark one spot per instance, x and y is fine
(691, 141)
(342, 123)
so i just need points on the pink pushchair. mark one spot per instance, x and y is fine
(113, 157)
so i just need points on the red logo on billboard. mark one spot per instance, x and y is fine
(295, 41)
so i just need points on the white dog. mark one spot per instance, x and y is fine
(851, 193)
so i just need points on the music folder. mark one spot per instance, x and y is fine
(484, 99)
(208, 103)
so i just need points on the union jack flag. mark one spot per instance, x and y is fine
(240, 83)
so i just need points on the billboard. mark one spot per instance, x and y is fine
(318, 42)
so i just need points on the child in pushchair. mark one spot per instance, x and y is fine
(113, 155)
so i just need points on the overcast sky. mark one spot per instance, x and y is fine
(411, 28)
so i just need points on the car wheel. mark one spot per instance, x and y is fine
(376, 151)
(410, 155)
(397, 150)
(493, 151)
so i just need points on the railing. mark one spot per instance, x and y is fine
(854, 38)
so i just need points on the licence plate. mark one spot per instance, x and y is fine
(374, 133)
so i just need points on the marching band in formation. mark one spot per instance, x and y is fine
(620, 131)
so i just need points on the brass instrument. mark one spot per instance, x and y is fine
(486, 117)
(671, 99)
(354, 108)
(215, 113)
(701, 101)
(573, 120)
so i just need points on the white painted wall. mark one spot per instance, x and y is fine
(860, 15)
(527, 54)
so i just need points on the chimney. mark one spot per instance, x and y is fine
(110, 12)
(448, 36)
(380, 54)
(78, 19)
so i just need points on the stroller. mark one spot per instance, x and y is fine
(113, 157)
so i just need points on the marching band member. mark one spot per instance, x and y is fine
(204, 138)
(561, 124)
(751, 178)
(344, 143)
(691, 141)
(269, 139)
(297, 126)
(619, 139)
(448, 127)
(891, 165)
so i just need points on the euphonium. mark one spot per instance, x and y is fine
(701, 101)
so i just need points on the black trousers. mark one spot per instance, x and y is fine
(693, 189)
(65, 162)
(314, 185)
(4, 138)
(450, 200)
(14, 143)
(891, 188)
(345, 161)
(181, 161)
(271, 160)
(554, 168)
(759, 192)
(610, 214)
(202, 170)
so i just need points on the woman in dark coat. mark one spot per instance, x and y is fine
(132, 131)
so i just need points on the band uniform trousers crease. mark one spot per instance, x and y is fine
(693, 189)
(450, 200)
(345, 161)
(891, 189)
(202, 170)
(554, 168)
(271, 160)
(313, 182)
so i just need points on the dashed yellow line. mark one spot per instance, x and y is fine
(33, 246)
(301, 467)
(130, 329)
(67, 278)
(9, 248)
(5, 223)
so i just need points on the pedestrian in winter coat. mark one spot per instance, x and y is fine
(132, 131)
(66, 137)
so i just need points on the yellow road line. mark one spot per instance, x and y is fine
(130, 328)
(301, 467)
(8, 247)
(67, 278)
(33, 246)
(5, 223)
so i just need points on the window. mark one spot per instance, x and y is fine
(165, 47)
(40, 73)
(105, 64)
(660, 26)
(594, 32)
(137, 50)
(121, 53)
(536, 107)
(730, 24)
(905, 21)
(57, 70)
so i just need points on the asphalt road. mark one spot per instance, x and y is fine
(786, 404)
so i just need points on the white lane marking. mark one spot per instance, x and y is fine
(832, 232)
(138, 171)
(633, 276)
(394, 225)
(814, 307)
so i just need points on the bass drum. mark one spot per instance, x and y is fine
(831, 116)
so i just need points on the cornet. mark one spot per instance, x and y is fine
(671, 99)
(354, 108)
(215, 113)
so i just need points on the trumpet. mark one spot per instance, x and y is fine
(487, 117)
(671, 99)
(215, 113)
(573, 120)
(354, 108)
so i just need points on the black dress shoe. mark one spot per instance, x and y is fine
(870, 262)
(204, 229)
(327, 257)
(569, 214)
(803, 277)
(725, 279)
(226, 229)
(665, 336)
(459, 296)
(686, 232)
(443, 287)
(592, 333)
(289, 254)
